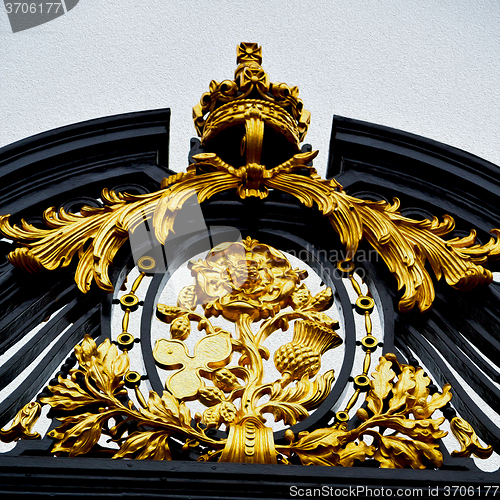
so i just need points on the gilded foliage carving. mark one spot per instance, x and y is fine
(93, 393)
(96, 234)
(399, 404)
(247, 283)
(404, 244)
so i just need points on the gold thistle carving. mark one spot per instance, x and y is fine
(401, 405)
(405, 245)
(249, 282)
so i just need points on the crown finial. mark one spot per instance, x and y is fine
(249, 53)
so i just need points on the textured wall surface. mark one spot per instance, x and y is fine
(427, 67)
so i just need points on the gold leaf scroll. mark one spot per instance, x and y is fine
(88, 401)
(404, 244)
(468, 440)
(22, 425)
(96, 234)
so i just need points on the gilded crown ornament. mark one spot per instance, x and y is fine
(255, 289)
(252, 100)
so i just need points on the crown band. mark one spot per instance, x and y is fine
(227, 103)
(236, 112)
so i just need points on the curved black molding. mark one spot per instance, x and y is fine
(54, 166)
(421, 172)
(67, 167)
(87, 324)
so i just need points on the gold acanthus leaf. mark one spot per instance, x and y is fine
(96, 234)
(404, 244)
(310, 394)
(167, 409)
(289, 412)
(292, 405)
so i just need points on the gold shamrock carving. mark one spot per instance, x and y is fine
(212, 351)
(398, 417)
(249, 282)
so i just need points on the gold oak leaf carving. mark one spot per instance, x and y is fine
(91, 392)
(91, 395)
(398, 404)
(248, 282)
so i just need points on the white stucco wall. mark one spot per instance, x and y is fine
(428, 67)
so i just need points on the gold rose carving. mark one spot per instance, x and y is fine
(247, 283)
